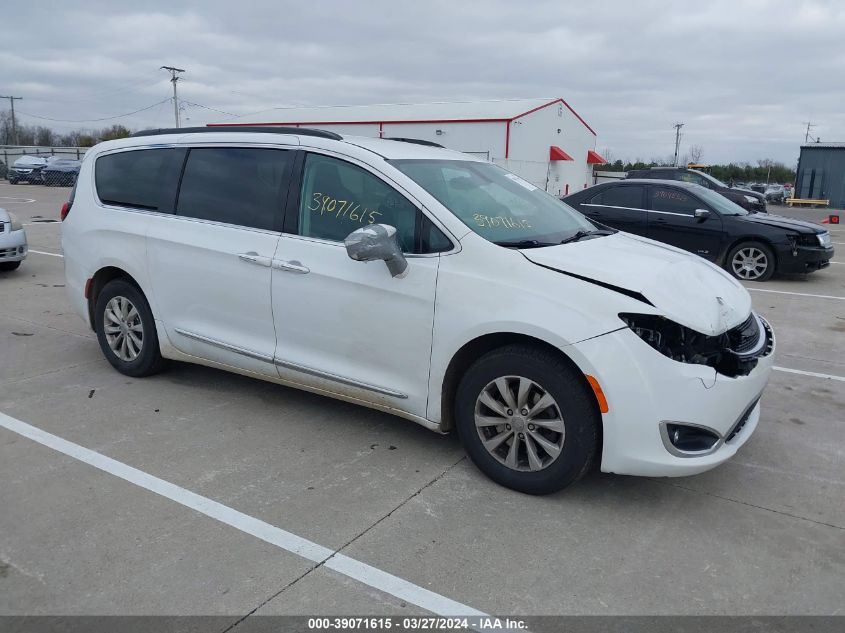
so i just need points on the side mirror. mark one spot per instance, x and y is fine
(702, 214)
(374, 242)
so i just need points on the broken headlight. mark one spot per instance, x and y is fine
(685, 345)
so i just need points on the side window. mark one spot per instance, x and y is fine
(338, 197)
(673, 201)
(629, 196)
(235, 185)
(140, 179)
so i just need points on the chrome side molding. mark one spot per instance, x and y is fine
(232, 348)
(341, 379)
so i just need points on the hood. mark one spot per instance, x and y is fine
(30, 162)
(748, 192)
(683, 287)
(781, 222)
(64, 166)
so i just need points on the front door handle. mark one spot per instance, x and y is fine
(292, 266)
(254, 258)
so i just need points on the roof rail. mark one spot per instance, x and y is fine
(263, 129)
(415, 141)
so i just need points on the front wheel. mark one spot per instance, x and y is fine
(126, 330)
(751, 261)
(527, 419)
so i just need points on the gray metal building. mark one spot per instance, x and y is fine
(821, 173)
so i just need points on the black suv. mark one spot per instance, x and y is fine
(750, 246)
(748, 200)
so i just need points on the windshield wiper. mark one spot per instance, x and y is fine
(525, 244)
(582, 234)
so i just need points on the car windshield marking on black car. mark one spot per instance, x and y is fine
(720, 202)
(497, 205)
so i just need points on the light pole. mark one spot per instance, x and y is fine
(174, 77)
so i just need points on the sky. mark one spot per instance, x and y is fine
(744, 76)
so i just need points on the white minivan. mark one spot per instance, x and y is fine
(422, 282)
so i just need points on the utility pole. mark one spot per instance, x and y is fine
(174, 78)
(810, 125)
(14, 124)
(677, 127)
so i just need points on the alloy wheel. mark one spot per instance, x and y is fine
(123, 329)
(519, 423)
(749, 263)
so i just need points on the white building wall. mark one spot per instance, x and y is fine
(478, 138)
(531, 137)
(527, 145)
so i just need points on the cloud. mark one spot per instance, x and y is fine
(742, 76)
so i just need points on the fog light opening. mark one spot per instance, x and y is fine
(687, 440)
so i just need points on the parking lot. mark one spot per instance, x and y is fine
(324, 507)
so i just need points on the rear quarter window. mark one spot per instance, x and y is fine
(140, 179)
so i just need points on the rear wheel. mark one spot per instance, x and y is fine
(526, 419)
(751, 261)
(126, 330)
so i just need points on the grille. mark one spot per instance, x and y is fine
(744, 337)
(3, 227)
(741, 422)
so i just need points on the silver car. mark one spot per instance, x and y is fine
(13, 246)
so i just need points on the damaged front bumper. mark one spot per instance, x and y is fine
(654, 400)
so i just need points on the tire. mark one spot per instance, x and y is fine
(118, 297)
(572, 404)
(742, 256)
(9, 266)
(12, 181)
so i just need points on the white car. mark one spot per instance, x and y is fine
(418, 281)
(13, 247)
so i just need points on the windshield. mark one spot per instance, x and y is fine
(498, 205)
(720, 202)
(715, 181)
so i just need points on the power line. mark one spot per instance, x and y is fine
(174, 77)
(107, 118)
(199, 105)
(14, 123)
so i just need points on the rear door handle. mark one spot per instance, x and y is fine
(292, 266)
(254, 258)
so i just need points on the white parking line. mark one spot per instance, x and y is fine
(808, 373)
(363, 573)
(797, 294)
(840, 263)
(44, 253)
(12, 200)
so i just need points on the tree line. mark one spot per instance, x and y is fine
(43, 136)
(764, 170)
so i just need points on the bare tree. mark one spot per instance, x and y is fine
(44, 136)
(696, 153)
